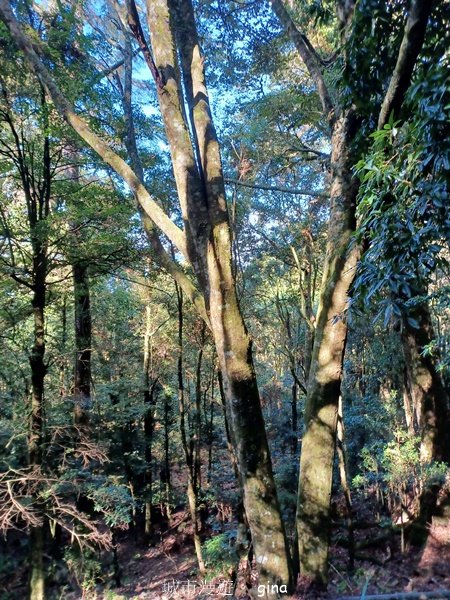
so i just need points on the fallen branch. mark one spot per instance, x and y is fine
(175, 525)
(370, 558)
(373, 541)
(363, 524)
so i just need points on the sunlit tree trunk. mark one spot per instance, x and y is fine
(321, 409)
(198, 174)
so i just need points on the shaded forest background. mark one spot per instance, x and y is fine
(224, 308)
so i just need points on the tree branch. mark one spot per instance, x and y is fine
(412, 42)
(134, 24)
(273, 188)
(171, 266)
(308, 55)
(110, 70)
(148, 204)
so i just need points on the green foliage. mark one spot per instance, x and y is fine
(112, 500)
(86, 567)
(397, 469)
(371, 50)
(219, 553)
(403, 197)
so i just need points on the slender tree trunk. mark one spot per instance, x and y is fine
(209, 419)
(149, 391)
(38, 212)
(37, 573)
(82, 314)
(308, 302)
(168, 478)
(149, 423)
(321, 410)
(38, 372)
(294, 419)
(189, 453)
(198, 413)
(62, 360)
(38, 369)
(83, 341)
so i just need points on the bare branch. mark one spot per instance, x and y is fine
(412, 42)
(148, 204)
(308, 55)
(136, 29)
(272, 188)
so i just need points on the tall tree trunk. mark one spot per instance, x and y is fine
(201, 191)
(167, 474)
(63, 361)
(198, 413)
(37, 572)
(82, 312)
(38, 367)
(38, 204)
(321, 410)
(294, 419)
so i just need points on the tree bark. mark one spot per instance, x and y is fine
(294, 420)
(38, 211)
(37, 572)
(199, 178)
(427, 389)
(430, 396)
(343, 473)
(149, 391)
(38, 372)
(167, 413)
(318, 445)
(321, 409)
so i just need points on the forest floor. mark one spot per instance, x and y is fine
(168, 572)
